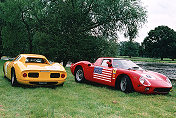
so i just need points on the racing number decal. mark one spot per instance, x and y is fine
(114, 73)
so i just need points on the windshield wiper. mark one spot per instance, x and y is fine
(133, 68)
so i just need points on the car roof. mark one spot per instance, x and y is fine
(33, 55)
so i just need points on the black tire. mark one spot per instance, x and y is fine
(125, 84)
(13, 78)
(79, 75)
(61, 85)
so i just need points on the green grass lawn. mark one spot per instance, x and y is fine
(165, 60)
(82, 101)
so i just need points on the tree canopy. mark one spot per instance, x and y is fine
(66, 30)
(128, 48)
(160, 42)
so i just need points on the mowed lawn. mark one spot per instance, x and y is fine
(81, 101)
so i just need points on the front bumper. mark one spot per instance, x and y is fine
(154, 90)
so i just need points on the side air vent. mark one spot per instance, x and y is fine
(162, 89)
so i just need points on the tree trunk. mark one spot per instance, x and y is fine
(30, 41)
(130, 49)
(172, 59)
(1, 47)
(161, 58)
(27, 26)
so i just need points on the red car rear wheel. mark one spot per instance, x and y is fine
(79, 75)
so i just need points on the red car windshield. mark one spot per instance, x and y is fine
(125, 64)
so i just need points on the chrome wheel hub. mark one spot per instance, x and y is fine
(12, 78)
(123, 84)
(79, 75)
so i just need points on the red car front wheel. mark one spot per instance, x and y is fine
(125, 84)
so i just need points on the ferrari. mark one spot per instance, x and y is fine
(122, 74)
(33, 69)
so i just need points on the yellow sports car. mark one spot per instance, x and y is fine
(32, 69)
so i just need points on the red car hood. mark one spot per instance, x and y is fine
(155, 79)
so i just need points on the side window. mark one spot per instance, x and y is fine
(104, 62)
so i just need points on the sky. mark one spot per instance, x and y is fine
(159, 12)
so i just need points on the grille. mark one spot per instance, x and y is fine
(162, 89)
(54, 75)
(33, 75)
(47, 83)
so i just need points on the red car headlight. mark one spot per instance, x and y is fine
(168, 80)
(144, 81)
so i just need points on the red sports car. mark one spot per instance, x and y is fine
(122, 74)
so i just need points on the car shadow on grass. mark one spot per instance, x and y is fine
(132, 94)
(31, 86)
(109, 87)
(38, 86)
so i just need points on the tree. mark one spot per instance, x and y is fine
(172, 49)
(88, 48)
(128, 48)
(1, 47)
(160, 42)
(70, 25)
(18, 27)
(75, 20)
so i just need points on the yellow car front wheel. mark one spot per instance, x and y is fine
(13, 78)
(4, 72)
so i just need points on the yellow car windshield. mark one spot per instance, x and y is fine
(35, 60)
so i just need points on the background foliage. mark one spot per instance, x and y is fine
(68, 30)
(128, 48)
(160, 42)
